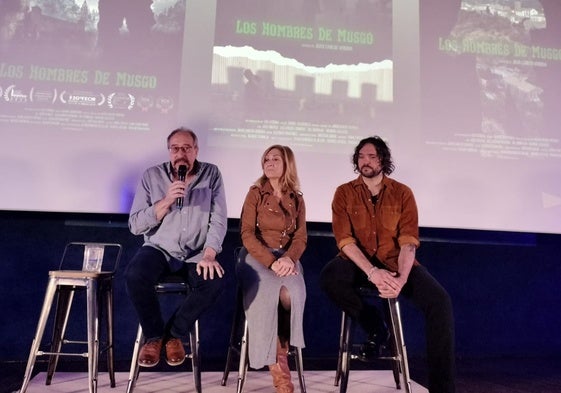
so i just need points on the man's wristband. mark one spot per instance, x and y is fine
(371, 272)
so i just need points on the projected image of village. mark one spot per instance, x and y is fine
(299, 75)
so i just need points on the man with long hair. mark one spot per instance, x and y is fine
(375, 225)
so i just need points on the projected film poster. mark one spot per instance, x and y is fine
(307, 73)
(89, 64)
(490, 77)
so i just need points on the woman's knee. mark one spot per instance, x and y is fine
(284, 298)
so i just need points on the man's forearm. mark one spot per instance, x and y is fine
(357, 256)
(405, 260)
(161, 209)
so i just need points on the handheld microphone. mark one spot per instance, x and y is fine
(181, 173)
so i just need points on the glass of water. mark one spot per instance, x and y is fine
(93, 257)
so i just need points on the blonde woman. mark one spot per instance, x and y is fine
(273, 232)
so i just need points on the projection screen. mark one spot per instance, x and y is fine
(466, 93)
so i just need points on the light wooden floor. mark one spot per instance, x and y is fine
(379, 381)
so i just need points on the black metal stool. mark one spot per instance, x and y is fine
(398, 358)
(98, 263)
(170, 285)
(239, 345)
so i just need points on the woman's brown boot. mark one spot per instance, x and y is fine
(280, 370)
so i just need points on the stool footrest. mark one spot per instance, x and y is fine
(83, 355)
(74, 342)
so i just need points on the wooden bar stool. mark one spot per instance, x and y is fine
(398, 358)
(99, 263)
(169, 286)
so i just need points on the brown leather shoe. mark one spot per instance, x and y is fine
(150, 353)
(175, 352)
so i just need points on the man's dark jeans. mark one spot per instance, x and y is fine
(145, 270)
(340, 278)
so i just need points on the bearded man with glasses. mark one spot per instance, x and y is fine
(180, 209)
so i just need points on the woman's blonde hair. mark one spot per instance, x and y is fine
(289, 178)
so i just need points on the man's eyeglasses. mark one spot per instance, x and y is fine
(183, 149)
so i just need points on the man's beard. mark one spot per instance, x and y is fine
(369, 172)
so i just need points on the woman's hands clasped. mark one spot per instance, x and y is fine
(284, 266)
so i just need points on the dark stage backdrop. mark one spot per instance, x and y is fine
(466, 93)
(504, 288)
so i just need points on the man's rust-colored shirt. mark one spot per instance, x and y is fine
(378, 229)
